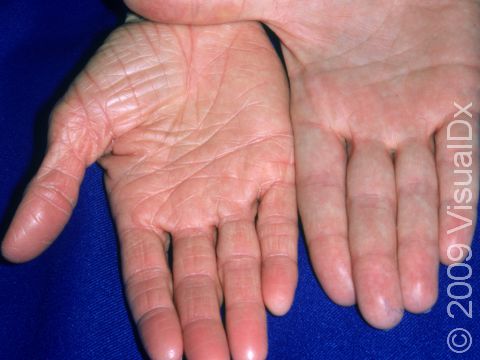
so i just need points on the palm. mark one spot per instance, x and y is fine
(193, 142)
(373, 86)
(191, 127)
(386, 90)
(390, 72)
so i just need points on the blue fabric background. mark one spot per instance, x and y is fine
(69, 303)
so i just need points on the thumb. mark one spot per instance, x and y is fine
(50, 197)
(200, 12)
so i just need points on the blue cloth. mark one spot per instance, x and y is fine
(69, 303)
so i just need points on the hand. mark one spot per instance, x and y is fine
(191, 126)
(373, 87)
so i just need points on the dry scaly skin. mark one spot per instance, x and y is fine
(191, 126)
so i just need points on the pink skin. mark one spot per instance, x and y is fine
(373, 85)
(191, 126)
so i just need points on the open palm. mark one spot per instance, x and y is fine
(374, 85)
(191, 126)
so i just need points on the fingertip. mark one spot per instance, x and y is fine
(454, 250)
(382, 315)
(445, 260)
(333, 269)
(166, 353)
(419, 296)
(279, 302)
(25, 242)
(193, 12)
(279, 282)
(247, 332)
(379, 292)
(419, 278)
(140, 7)
(340, 288)
(8, 251)
(343, 298)
(251, 353)
(162, 342)
(11, 254)
(13, 251)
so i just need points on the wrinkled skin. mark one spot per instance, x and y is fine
(373, 85)
(191, 126)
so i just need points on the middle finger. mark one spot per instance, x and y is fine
(371, 218)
